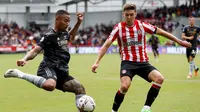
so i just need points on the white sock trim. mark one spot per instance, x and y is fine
(114, 111)
(157, 84)
(146, 107)
(122, 92)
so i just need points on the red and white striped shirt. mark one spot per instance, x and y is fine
(132, 40)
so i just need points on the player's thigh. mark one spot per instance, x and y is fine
(157, 50)
(50, 75)
(67, 83)
(125, 83)
(145, 70)
(191, 53)
(188, 51)
(156, 76)
(47, 73)
(127, 70)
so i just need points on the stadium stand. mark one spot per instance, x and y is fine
(163, 17)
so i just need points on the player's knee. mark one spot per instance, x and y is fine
(49, 85)
(159, 79)
(124, 87)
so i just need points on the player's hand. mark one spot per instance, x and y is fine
(79, 16)
(191, 37)
(94, 67)
(185, 44)
(21, 62)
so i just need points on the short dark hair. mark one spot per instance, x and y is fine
(61, 12)
(129, 6)
(191, 16)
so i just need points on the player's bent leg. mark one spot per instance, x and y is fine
(195, 68)
(15, 73)
(157, 79)
(49, 85)
(74, 86)
(119, 96)
(196, 71)
(125, 83)
(191, 66)
(154, 53)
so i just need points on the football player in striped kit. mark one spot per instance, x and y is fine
(131, 38)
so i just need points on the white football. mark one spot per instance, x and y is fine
(86, 103)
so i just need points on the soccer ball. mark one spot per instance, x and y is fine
(86, 104)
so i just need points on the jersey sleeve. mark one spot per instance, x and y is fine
(44, 42)
(149, 28)
(184, 29)
(198, 31)
(114, 34)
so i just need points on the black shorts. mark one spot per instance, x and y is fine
(191, 52)
(60, 76)
(155, 48)
(130, 69)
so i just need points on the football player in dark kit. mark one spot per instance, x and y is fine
(154, 42)
(53, 72)
(190, 34)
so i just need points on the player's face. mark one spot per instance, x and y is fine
(129, 16)
(63, 22)
(191, 21)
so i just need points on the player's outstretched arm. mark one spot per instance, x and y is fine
(29, 56)
(172, 37)
(74, 30)
(101, 53)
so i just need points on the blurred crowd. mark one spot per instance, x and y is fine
(12, 34)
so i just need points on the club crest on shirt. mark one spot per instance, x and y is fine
(123, 34)
(124, 71)
(139, 31)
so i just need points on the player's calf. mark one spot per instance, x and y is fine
(15, 73)
(74, 86)
(196, 71)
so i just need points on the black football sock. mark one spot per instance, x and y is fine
(119, 97)
(152, 94)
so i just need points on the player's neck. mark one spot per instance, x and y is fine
(191, 25)
(57, 30)
(131, 24)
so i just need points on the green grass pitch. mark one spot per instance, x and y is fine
(178, 94)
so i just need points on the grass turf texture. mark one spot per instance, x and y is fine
(177, 94)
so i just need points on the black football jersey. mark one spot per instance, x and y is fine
(192, 31)
(55, 49)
